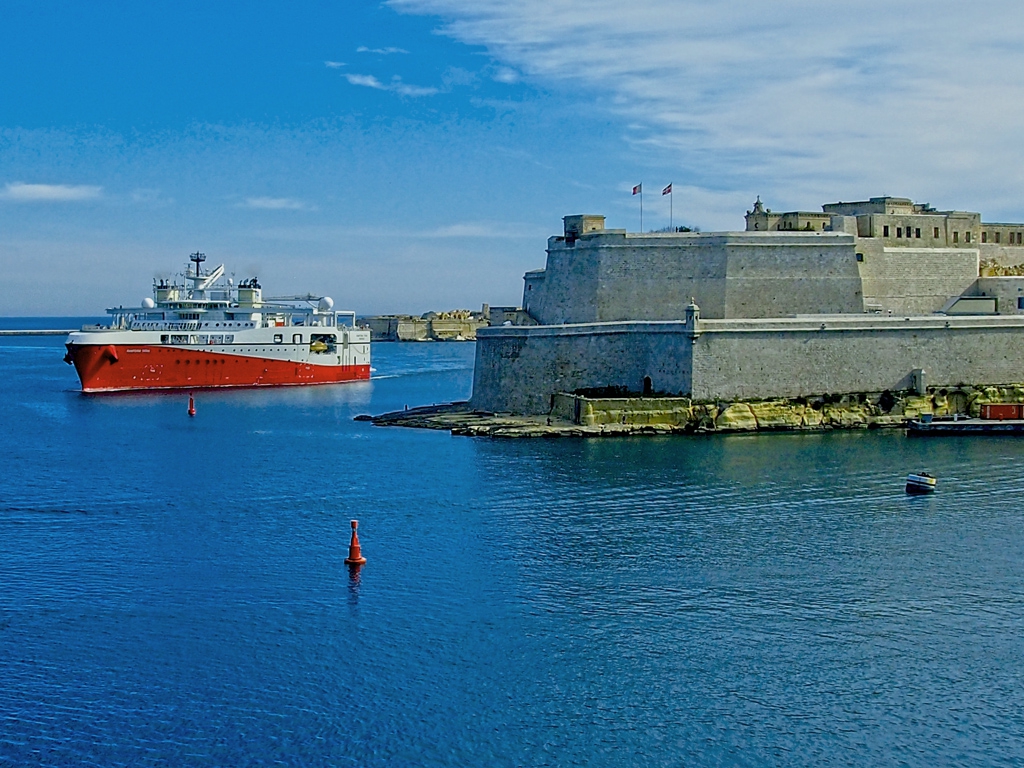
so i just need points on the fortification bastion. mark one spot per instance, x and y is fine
(873, 296)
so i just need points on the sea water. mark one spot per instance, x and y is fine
(173, 592)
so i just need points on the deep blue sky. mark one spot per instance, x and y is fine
(415, 155)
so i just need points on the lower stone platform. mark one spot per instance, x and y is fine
(573, 415)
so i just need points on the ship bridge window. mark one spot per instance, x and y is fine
(229, 338)
(216, 338)
(164, 338)
(323, 343)
(278, 338)
(296, 338)
(177, 338)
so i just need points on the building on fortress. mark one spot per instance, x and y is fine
(855, 298)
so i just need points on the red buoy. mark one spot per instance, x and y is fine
(191, 406)
(355, 555)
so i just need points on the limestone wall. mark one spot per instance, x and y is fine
(776, 277)
(653, 277)
(802, 358)
(914, 281)
(1008, 292)
(519, 369)
(608, 276)
(567, 289)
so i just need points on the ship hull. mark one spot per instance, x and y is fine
(119, 368)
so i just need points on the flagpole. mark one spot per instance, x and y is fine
(641, 207)
(671, 221)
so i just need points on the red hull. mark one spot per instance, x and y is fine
(120, 367)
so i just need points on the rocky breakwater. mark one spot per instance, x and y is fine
(577, 415)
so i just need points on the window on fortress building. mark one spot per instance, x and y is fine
(935, 233)
(917, 233)
(956, 237)
(967, 237)
(885, 231)
(899, 231)
(997, 236)
(984, 237)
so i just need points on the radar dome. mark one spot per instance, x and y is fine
(148, 303)
(326, 304)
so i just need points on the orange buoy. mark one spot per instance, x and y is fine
(191, 406)
(355, 555)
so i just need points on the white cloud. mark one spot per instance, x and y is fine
(369, 81)
(404, 89)
(382, 51)
(275, 203)
(334, 64)
(505, 75)
(396, 85)
(799, 101)
(49, 193)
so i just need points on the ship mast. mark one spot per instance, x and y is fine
(198, 258)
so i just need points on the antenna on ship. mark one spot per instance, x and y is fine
(198, 258)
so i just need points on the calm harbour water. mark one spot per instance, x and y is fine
(173, 591)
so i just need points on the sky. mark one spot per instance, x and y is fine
(415, 155)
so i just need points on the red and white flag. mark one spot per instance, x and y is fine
(667, 190)
(638, 189)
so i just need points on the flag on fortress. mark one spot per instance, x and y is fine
(638, 189)
(667, 190)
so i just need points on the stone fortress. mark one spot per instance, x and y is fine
(878, 295)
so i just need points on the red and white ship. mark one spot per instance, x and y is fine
(211, 333)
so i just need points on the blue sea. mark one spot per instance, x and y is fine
(173, 592)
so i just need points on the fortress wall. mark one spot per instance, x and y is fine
(792, 275)
(610, 276)
(518, 368)
(915, 281)
(845, 357)
(568, 291)
(1008, 292)
(653, 277)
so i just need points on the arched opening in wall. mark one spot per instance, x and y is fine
(648, 386)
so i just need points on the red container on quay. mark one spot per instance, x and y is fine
(1001, 411)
